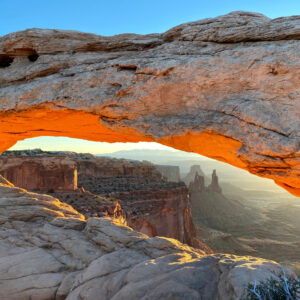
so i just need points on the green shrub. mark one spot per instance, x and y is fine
(282, 288)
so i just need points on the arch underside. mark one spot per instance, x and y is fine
(236, 102)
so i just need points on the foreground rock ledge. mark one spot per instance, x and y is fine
(227, 88)
(48, 251)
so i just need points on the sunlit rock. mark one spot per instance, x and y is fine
(48, 251)
(226, 88)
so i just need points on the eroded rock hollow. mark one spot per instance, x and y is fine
(227, 88)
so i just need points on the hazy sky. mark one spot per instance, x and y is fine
(66, 144)
(112, 17)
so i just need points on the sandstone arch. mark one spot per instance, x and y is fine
(227, 88)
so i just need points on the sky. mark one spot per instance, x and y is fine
(111, 17)
(50, 143)
(138, 16)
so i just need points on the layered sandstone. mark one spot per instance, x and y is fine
(49, 252)
(44, 173)
(161, 212)
(225, 87)
(149, 203)
(152, 204)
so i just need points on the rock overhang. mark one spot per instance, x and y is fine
(225, 87)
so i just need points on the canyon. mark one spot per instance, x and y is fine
(134, 192)
(226, 88)
(238, 225)
(220, 87)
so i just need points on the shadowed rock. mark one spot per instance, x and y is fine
(214, 186)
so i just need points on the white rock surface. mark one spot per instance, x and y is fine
(48, 251)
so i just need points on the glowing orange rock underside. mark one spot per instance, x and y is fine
(47, 121)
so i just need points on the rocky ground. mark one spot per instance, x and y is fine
(148, 202)
(91, 205)
(49, 251)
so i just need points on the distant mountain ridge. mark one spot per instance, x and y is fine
(227, 173)
(151, 154)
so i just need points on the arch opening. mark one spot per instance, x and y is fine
(228, 209)
(51, 120)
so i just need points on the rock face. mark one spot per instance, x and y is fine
(91, 205)
(171, 173)
(198, 184)
(49, 252)
(162, 212)
(214, 186)
(150, 204)
(226, 88)
(44, 173)
(106, 167)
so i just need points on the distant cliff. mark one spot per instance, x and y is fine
(53, 172)
(211, 208)
(171, 173)
(150, 203)
(190, 176)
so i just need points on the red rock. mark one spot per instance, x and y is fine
(222, 87)
(56, 173)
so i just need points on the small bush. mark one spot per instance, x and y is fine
(282, 288)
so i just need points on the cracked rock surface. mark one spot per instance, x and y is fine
(48, 251)
(226, 87)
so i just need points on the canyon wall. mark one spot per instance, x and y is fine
(164, 211)
(149, 202)
(44, 173)
(152, 204)
(225, 87)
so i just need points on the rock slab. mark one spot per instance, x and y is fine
(48, 251)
